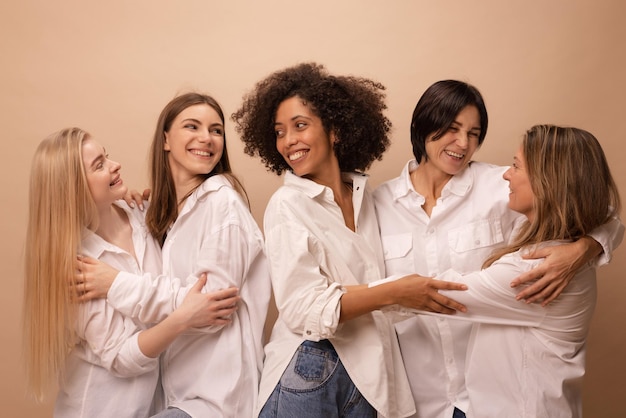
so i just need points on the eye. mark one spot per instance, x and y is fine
(217, 131)
(190, 126)
(279, 133)
(300, 125)
(453, 129)
(473, 134)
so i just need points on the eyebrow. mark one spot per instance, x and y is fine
(99, 158)
(294, 118)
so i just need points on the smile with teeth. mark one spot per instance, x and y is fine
(454, 154)
(116, 181)
(297, 154)
(201, 153)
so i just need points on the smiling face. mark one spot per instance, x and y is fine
(521, 196)
(303, 142)
(103, 175)
(451, 153)
(195, 142)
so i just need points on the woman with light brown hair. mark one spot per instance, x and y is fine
(525, 359)
(200, 216)
(106, 363)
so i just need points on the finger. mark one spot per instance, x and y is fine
(443, 285)
(532, 289)
(541, 293)
(449, 303)
(226, 293)
(199, 283)
(554, 294)
(537, 253)
(439, 308)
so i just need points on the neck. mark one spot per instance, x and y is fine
(111, 220)
(429, 182)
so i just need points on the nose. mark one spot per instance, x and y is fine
(115, 166)
(204, 137)
(507, 174)
(291, 137)
(462, 139)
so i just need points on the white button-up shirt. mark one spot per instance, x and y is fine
(213, 371)
(524, 360)
(312, 256)
(106, 374)
(469, 221)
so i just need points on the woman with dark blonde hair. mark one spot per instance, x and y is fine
(527, 359)
(75, 207)
(199, 214)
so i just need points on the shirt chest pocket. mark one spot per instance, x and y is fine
(396, 246)
(480, 235)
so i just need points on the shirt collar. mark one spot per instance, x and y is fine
(313, 189)
(94, 245)
(459, 184)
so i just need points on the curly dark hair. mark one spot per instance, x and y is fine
(351, 107)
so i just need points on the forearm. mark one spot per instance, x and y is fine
(359, 300)
(155, 340)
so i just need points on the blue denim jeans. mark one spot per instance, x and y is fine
(458, 413)
(315, 385)
(172, 412)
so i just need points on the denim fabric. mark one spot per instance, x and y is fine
(458, 413)
(315, 385)
(172, 413)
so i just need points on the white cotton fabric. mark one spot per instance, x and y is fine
(214, 371)
(469, 221)
(312, 256)
(106, 373)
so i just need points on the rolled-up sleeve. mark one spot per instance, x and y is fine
(307, 299)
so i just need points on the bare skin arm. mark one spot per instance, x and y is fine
(94, 279)
(411, 291)
(558, 269)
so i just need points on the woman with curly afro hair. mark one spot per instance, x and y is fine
(332, 351)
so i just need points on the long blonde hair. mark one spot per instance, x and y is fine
(60, 206)
(573, 186)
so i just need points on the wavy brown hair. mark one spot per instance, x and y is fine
(572, 184)
(163, 209)
(351, 107)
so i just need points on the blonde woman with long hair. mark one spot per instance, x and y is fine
(105, 363)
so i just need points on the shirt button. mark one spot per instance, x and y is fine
(308, 332)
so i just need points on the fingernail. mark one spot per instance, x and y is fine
(132, 205)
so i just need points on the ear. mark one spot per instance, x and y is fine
(166, 145)
(333, 137)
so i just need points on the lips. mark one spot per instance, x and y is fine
(297, 155)
(116, 181)
(454, 154)
(201, 153)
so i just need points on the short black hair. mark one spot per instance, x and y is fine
(437, 109)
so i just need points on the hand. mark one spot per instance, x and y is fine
(93, 278)
(204, 309)
(554, 274)
(133, 197)
(421, 293)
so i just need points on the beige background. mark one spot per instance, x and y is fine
(109, 67)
